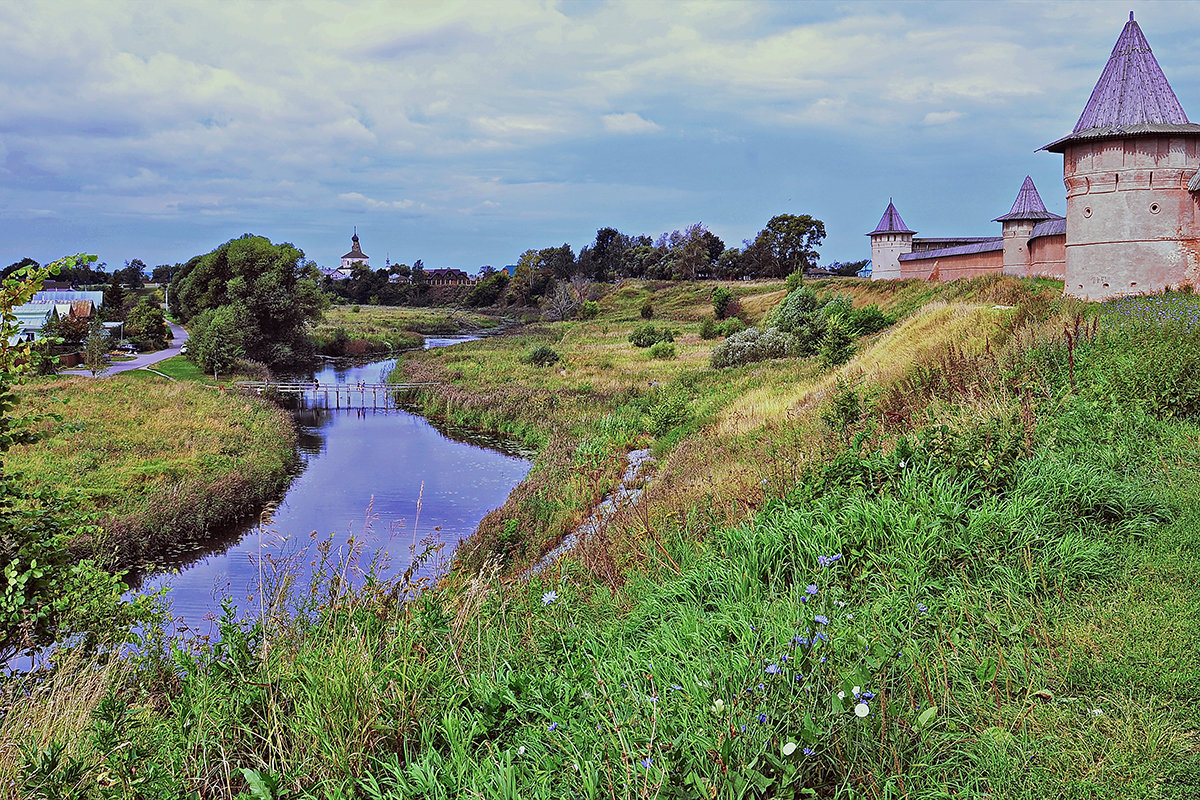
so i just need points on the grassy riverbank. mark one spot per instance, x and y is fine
(367, 330)
(962, 565)
(163, 461)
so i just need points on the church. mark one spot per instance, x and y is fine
(1131, 168)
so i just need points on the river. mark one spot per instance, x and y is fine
(386, 477)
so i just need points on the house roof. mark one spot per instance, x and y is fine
(1028, 205)
(1132, 97)
(62, 296)
(890, 222)
(1051, 227)
(988, 246)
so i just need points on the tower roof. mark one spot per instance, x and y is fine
(355, 248)
(1028, 205)
(1132, 97)
(890, 222)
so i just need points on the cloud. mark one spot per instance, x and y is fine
(941, 117)
(629, 122)
(361, 201)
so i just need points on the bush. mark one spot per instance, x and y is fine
(663, 351)
(647, 309)
(355, 309)
(867, 320)
(709, 328)
(589, 310)
(753, 345)
(795, 280)
(649, 334)
(669, 411)
(837, 345)
(731, 326)
(721, 298)
(541, 356)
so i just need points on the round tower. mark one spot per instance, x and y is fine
(890, 240)
(1018, 224)
(1131, 219)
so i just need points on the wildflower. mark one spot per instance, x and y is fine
(812, 588)
(553, 726)
(821, 619)
(841, 695)
(549, 597)
(850, 616)
(676, 688)
(861, 710)
(857, 690)
(653, 698)
(808, 751)
(1097, 712)
(743, 729)
(762, 718)
(922, 608)
(718, 706)
(822, 637)
(646, 762)
(521, 750)
(762, 688)
(772, 669)
(789, 748)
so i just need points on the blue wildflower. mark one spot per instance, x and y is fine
(922, 608)
(772, 669)
(646, 762)
(808, 751)
(762, 718)
(549, 597)
(821, 619)
(553, 726)
(812, 588)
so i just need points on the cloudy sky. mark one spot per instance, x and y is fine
(463, 133)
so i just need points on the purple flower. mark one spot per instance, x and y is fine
(549, 597)
(762, 718)
(821, 619)
(808, 751)
(553, 726)
(646, 762)
(922, 608)
(772, 669)
(812, 588)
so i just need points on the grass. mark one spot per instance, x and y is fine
(971, 571)
(161, 461)
(359, 330)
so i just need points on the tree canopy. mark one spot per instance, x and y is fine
(270, 290)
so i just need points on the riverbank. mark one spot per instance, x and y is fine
(965, 564)
(162, 462)
(355, 330)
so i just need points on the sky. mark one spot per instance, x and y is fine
(463, 133)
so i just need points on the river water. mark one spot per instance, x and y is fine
(386, 477)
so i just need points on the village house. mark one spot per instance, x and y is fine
(1131, 167)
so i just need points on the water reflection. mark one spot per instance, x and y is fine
(388, 478)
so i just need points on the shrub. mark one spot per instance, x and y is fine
(753, 345)
(648, 334)
(589, 310)
(794, 280)
(669, 411)
(837, 345)
(647, 309)
(731, 326)
(355, 309)
(709, 328)
(867, 320)
(664, 351)
(721, 298)
(541, 356)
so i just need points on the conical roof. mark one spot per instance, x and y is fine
(890, 222)
(1131, 98)
(1028, 205)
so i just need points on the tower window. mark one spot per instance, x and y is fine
(1087, 212)
(1154, 209)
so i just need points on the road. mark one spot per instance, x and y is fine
(148, 359)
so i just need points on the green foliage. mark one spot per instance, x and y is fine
(268, 292)
(837, 343)
(488, 291)
(217, 339)
(146, 327)
(663, 351)
(868, 319)
(721, 299)
(669, 410)
(589, 310)
(794, 281)
(542, 356)
(648, 334)
(114, 300)
(647, 309)
(731, 326)
(752, 345)
(95, 353)
(708, 328)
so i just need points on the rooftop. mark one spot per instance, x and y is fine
(890, 222)
(1028, 205)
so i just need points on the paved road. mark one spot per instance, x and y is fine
(147, 359)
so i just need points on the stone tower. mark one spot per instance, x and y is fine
(1131, 217)
(1027, 211)
(356, 256)
(890, 239)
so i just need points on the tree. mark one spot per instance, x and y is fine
(788, 243)
(271, 292)
(162, 273)
(114, 300)
(216, 340)
(95, 350)
(146, 327)
(133, 275)
(71, 331)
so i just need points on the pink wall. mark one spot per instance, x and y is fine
(949, 268)
(1048, 256)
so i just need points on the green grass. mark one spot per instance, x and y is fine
(1008, 579)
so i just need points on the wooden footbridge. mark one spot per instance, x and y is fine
(333, 395)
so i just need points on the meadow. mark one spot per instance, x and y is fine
(962, 564)
(359, 330)
(161, 461)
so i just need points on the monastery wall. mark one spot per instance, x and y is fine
(1048, 256)
(953, 267)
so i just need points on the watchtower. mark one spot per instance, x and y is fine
(890, 239)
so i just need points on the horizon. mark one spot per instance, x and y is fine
(463, 135)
